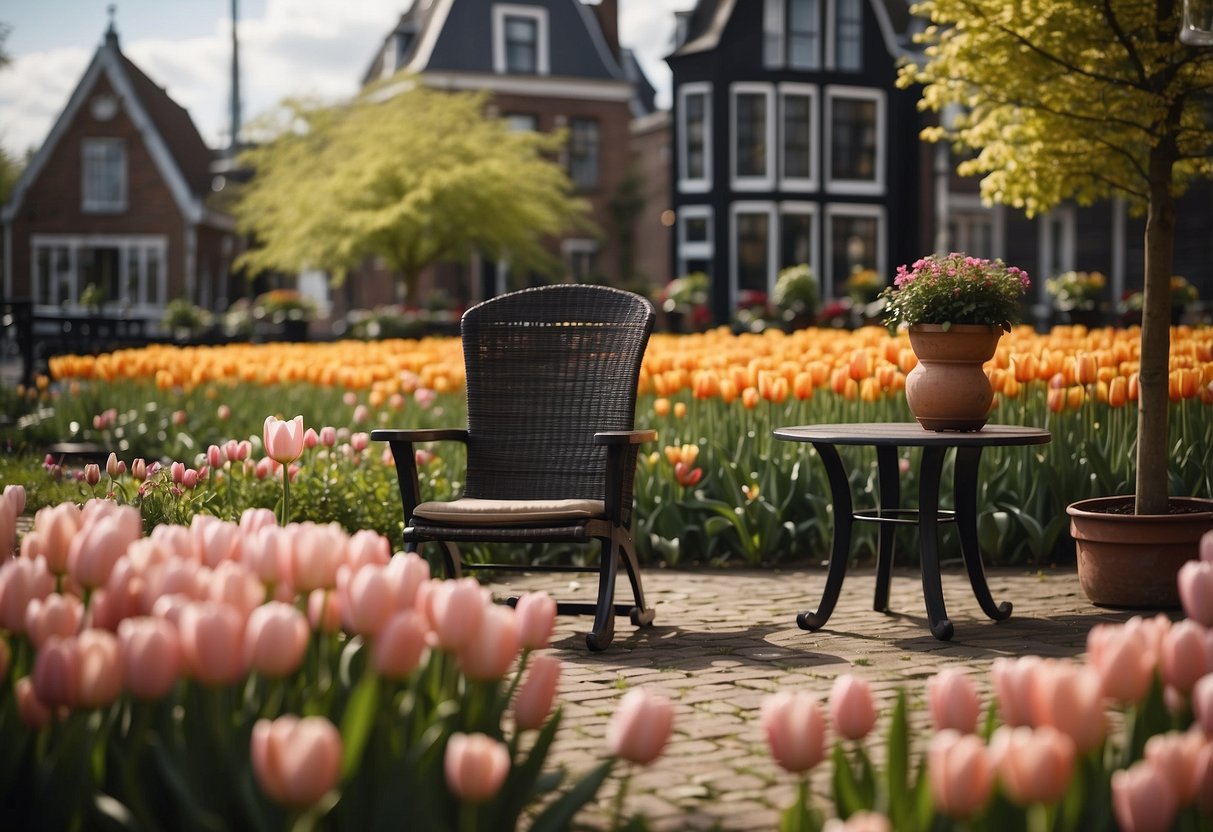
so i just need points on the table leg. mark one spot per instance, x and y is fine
(840, 496)
(890, 500)
(965, 484)
(929, 473)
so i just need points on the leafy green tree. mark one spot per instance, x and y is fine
(407, 174)
(1083, 100)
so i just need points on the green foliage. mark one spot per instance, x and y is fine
(185, 318)
(796, 295)
(406, 174)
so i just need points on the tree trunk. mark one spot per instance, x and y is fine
(1153, 401)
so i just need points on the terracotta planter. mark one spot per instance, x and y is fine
(949, 389)
(1132, 560)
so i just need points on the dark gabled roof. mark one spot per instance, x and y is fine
(400, 44)
(644, 94)
(176, 128)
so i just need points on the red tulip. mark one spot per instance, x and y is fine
(953, 700)
(534, 701)
(640, 727)
(296, 761)
(536, 619)
(400, 645)
(150, 651)
(960, 772)
(795, 730)
(283, 440)
(1143, 799)
(275, 639)
(852, 711)
(475, 766)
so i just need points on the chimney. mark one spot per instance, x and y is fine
(607, 12)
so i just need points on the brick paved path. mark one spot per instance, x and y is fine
(723, 640)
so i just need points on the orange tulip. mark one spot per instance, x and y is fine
(802, 386)
(661, 407)
(750, 398)
(1056, 399)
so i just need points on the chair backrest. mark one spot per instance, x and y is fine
(546, 369)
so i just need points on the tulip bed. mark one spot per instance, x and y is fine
(715, 489)
(251, 675)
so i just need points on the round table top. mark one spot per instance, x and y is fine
(911, 434)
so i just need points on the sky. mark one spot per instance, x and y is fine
(287, 47)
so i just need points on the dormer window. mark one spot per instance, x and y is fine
(848, 35)
(103, 176)
(792, 34)
(520, 40)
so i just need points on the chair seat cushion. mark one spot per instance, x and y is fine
(473, 511)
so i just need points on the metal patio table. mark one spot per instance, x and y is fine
(887, 438)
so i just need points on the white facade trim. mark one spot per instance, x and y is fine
(753, 207)
(539, 14)
(695, 249)
(790, 183)
(546, 87)
(425, 47)
(125, 243)
(766, 181)
(685, 183)
(811, 210)
(856, 187)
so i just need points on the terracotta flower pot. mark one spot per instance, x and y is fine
(949, 389)
(1132, 560)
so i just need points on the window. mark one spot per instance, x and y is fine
(521, 122)
(792, 34)
(520, 40)
(754, 253)
(1057, 242)
(130, 271)
(848, 35)
(798, 147)
(856, 136)
(753, 128)
(798, 236)
(583, 153)
(104, 175)
(855, 241)
(580, 257)
(695, 248)
(694, 138)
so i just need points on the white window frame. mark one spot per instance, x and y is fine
(149, 300)
(753, 207)
(832, 40)
(695, 249)
(502, 11)
(856, 187)
(776, 37)
(766, 181)
(89, 203)
(811, 210)
(797, 183)
(685, 183)
(832, 212)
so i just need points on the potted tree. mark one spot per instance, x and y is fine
(1091, 101)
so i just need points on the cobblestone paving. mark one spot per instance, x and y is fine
(723, 640)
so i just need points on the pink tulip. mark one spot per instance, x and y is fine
(316, 553)
(536, 619)
(55, 615)
(953, 700)
(8, 528)
(177, 471)
(1206, 547)
(253, 519)
(859, 822)
(212, 642)
(104, 537)
(368, 599)
(795, 730)
(1034, 764)
(852, 711)
(283, 440)
(296, 761)
(139, 468)
(489, 654)
(170, 608)
(640, 727)
(1202, 704)
(1187, 654)
(366, 547)
(475, 766)
(401, 643)
(265, 550)
(33, 711)
(328, 436)
(57, 672)
(456, 608)
(1142, 798)
(100, 668)
(92, 473)
(151, 656)
(1070, 698)
(324, 610)
(960, 772)
(214, 540)
(411, 572)
(359, 441)
(175, 540)
(1174, 755)
(15, 495)
(310, 438)
(236, 585)
(1013, 684)
(21, 581)
(534, 701)
(56, 526)
(1202, 777)
(1196, 590)
(174, 577)
(275, 639)
(1124, 660)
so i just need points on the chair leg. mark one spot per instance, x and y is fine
(450, 556)
(641, 614)
(600, 637)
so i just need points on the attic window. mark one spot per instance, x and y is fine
(103, 176)
(520, 39)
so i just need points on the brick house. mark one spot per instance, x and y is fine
(547, 65)
(117, 198)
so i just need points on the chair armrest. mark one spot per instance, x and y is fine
(624, 437)
(420, 435)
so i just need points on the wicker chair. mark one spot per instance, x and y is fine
(551, 450)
